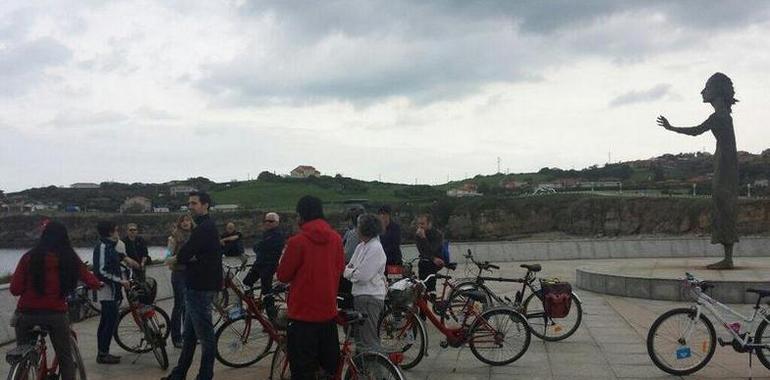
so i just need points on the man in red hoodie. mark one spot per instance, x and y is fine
(312, 263)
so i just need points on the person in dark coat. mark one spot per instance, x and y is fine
(268, 252)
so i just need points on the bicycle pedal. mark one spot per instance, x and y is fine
(444, 344)
(723, 343)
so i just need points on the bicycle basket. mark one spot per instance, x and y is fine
(402, 293)
(281, 320)
(144, 292)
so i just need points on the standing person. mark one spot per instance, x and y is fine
(232, 243)
(136, 248)
(179, 236)
(43, 278)
(350, 241)
(312, 264)
(429, 241)
(720, 93)
(107, 267)
(391, 236)
(268, 252)
(203, 276)
(366, 271)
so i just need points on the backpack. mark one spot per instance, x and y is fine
(557, 298)
(445, 252)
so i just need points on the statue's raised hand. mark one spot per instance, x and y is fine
(663, 122)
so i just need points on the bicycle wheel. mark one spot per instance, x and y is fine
(760, 337)
(373, 366)
(154, 337)
(23, 370)
(242, 342)
(679, 344)
(80, 368)
(279, 366)
(130, 334)
(552, 329)
(453, 311)
(401, 330)
(499, 336)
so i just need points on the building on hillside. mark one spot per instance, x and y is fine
(513, 184)
(84, 185)
(161, 210)
(226, 207)
(468, 189)
(568, 183)
(4, 207)
(181, 189)
(305, 171)
(761, 183)
(136, 204)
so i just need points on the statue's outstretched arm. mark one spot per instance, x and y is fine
(692, 131)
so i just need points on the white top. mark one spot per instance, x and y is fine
(366, 269)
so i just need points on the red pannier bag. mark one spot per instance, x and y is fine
(557, 298)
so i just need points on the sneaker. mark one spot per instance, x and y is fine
(107, 359)
(177, 344)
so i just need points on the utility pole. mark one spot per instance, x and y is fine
(609, 156)
(693, 189)
(749, 188)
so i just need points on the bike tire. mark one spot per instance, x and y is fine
(401, 330)
(552, 329)
(759, 337)
(129, 334)
(707, 346)
(493, 323)
(80, 368)
(157, 342)
(279, 365)
(454, 313)
(372, 365)
(23, 370)
(237, 334)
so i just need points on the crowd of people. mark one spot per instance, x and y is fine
(317, 263)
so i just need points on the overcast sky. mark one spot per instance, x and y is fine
(403, 91)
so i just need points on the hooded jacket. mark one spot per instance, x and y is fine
(312, 264)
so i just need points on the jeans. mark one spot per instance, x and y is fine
(108, 323)
(310, 345)
(178, 285)
(197, 326)
(59, 327)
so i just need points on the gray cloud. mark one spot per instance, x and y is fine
(365, 51)
(23, 66)
(643, 96)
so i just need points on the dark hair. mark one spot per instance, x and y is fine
(310, 208)
(105, 228)
(369, 226)
(385, 209)
(427, 217)
(55, 239)
(354, 213)
(203, 197)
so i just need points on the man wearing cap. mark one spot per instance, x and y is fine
(268, 251)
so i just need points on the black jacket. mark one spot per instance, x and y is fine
(269, 249)
(136, 249)
(391, 243)
(430, 247)
(233, 247)
(201, 254)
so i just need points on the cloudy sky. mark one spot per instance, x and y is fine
(403, 91)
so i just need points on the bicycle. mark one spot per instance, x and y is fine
(361, 366)
(541, 323)
(142, 326)
(221, 304)
(683, 340)
(237, 344)
(401, 328)
(30, 361)
(82, 304)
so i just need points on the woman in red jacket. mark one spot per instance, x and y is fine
(43, 278)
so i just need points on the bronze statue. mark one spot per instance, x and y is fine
(720, 93)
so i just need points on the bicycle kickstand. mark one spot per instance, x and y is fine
(751, 352)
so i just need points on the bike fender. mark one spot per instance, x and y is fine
(577, 297)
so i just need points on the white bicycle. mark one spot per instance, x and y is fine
(683, 340)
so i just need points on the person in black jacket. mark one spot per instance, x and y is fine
(390, 237)
(268, 251)
(136, 249)
(429, 241)
(203, 277)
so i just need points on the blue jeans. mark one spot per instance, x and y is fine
(178, 285)
(197, 326)
(108, 322)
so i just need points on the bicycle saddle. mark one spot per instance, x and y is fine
(18, 353)
(352, 316)
(476, 295)
(39, 330)
(532, 267)
(761, 292)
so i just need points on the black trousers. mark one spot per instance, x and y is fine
(345, 291)
(311, 345)
(425, 269)
(60, 336)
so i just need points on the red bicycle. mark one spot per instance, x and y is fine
(248, 332)
(496, 336)
(30, 361)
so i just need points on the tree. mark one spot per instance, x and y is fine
(268, 177)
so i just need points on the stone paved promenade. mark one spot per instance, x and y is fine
(610, 344)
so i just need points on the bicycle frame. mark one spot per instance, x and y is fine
(253, 310)
(713, 306)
